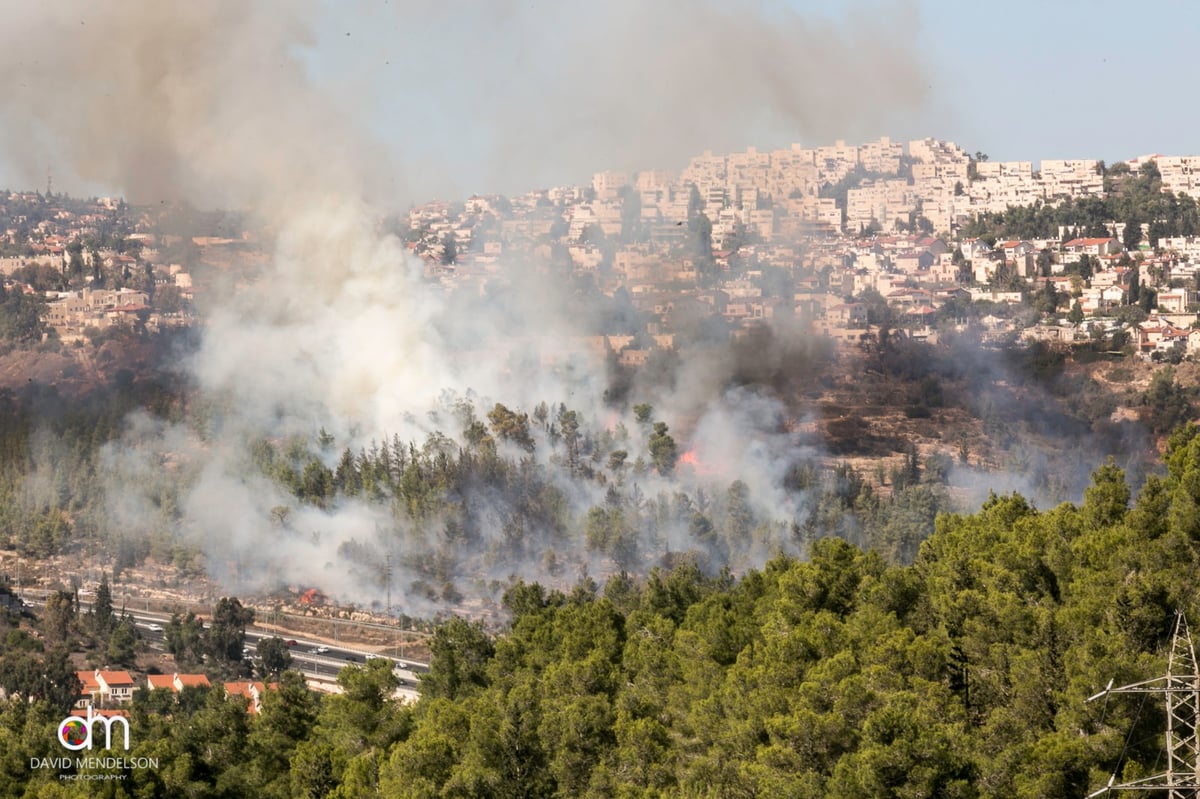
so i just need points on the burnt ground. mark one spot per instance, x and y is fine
(994, 415)
(74, 371)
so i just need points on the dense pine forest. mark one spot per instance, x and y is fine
(481, 491)
(693, 630)
(964, 674)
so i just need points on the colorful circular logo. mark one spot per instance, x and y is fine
(73, 734)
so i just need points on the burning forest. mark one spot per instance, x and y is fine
(355, 414)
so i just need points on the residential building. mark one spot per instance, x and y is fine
(104, 687)
(176, 682)
(252, 691)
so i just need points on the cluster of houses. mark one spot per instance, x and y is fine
(770, 197)
(105, 689)
(771, 212)
(891, 228)
(70, 313)
(54, 239)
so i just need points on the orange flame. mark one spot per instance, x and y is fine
(701, 468)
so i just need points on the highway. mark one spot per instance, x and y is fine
(313, 658)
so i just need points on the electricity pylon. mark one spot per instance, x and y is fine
(1180, 688)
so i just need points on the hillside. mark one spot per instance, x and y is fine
(964, 675)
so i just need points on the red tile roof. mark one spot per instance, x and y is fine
(116, 677)
(192, 680)
(108, 714)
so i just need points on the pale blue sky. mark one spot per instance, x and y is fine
(506, 95)
(1019, 80)
(1025, 80)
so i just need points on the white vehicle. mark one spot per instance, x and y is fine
(321, 650)
(371, 657)
(154, 628)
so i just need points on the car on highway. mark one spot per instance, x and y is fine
(370, 657)
(154, 628)
(320, 650)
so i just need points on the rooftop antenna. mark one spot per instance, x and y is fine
(1180, 688)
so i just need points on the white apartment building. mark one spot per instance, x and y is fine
(608, 185)
(941, 173)
(999, 169)
(1072, 178)
(933, 151)
(654, 180)
(1186, 246)
(881, 156)
(704, 170)
(884, 201)
(1180, 173)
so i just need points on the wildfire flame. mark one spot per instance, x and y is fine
(700, 468)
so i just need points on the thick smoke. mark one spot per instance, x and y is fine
(254, 105)
(205, 102)
(214, 103)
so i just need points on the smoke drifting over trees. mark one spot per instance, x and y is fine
(216, 104)
(225, 104)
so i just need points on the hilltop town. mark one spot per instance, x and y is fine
(914, 238)
(824, 234)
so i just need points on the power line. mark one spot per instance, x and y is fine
(1180, 688)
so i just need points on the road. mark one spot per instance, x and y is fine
(326, 663)
(323, 664)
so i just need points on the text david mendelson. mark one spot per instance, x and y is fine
(93, 762)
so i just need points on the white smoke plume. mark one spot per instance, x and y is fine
(216, 104)
(261, 105)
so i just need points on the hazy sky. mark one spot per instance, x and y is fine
(511, 95)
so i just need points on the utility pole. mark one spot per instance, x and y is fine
(1180, 688)
(387, 575)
